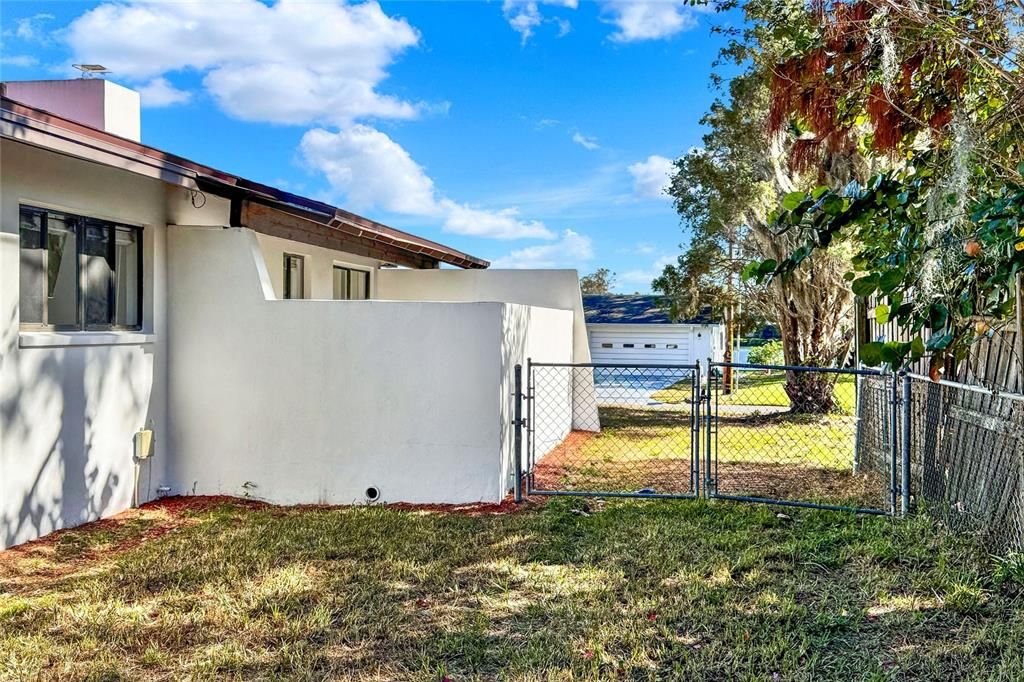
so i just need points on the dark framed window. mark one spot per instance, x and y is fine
(294, 276)
(78, 273)
(351, 283)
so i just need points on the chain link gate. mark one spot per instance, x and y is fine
(597, 429)
(788, 436)
(772, 434)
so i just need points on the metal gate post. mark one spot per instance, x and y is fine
(517, 421)
(708, 488)
(905, 468)
(695, 401)
(530, 445)
(894, 437)
(857, 392)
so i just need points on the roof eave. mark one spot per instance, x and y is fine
(45, 130)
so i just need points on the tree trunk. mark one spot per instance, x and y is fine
(813, 309)
(811, 392)
(727, 374)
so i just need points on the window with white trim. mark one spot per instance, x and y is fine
(78, 273)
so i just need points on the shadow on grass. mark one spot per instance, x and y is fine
(631, 590)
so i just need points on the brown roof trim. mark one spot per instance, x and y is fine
(61, 134)
(335, 217)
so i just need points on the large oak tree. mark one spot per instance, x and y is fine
(725, 192)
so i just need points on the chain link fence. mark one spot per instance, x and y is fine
(855, 439)
(789, 435)
(642, 444)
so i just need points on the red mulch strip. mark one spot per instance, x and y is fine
(170, 513)
(164, 515)
(506, 506)
(193, 504)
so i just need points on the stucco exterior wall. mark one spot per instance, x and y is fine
(96, 102)
(319, 265)
(291, 401)
(557, 289)
(70, 403)
(315, 401)
(530, 331)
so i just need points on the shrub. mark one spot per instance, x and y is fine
(767, 354)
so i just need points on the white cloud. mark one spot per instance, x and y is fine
(648, 19)
(496, 224)
(634, 20)
(372, 170)
(585, 141)
(524, 16)
(291, 62)
(22, 60)
(651, 177)
(160, 93)
(571, 251)
(640, 248)
(644, 277)
(31, 28)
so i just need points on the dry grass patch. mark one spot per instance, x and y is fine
(634, 590)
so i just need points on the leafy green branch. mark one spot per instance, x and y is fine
(890, 221)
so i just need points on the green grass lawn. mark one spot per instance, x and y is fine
(628, 432)
(756, 388)
(634, 590)
(785, 456)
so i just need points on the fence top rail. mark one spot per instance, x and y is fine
(801, 368)
(968, 387)
(613, 365)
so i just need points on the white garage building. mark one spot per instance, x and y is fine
(638, 329)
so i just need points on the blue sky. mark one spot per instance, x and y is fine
(534, 134)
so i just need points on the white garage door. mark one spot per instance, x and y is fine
(643, 343)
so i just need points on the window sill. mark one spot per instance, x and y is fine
(66, 339)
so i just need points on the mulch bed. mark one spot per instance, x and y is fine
(49, 557)
(167, 514)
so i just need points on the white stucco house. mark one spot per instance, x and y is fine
(635, 328)
(274, 345)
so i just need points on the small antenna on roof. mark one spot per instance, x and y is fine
(91, 70)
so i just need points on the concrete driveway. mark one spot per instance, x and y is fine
(633, 387)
